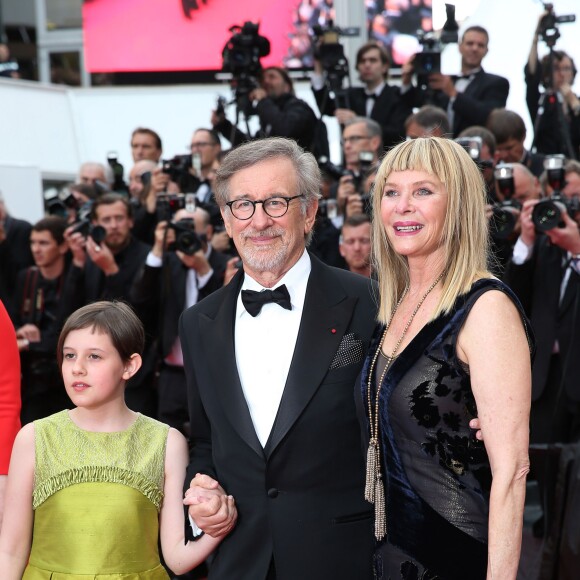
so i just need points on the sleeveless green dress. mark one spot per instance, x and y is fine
(96, 501)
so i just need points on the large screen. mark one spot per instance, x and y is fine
(177, 35)
(189, 35)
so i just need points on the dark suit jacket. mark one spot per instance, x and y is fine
(300, 499)
(472, 107)
(389, 110)
(537, 285)
(162, 290)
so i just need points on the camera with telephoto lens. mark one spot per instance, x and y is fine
(186, 240)
(428, 61)
(548, 29)
(505, 213)
(84, 226)
(330, 53)
(119, 184)
(58, 202)
(178, 170)
(168, 204)
(241, 57)
(547, 213)
(473, 146)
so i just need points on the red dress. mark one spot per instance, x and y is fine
(9, 389)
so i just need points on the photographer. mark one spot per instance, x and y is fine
(177, 273)
(104, 269)
(377, 99)
(362, 145)
(468, 98)
(545, 274)
(281, 113)
(509, 131)
(39, 314)
(146, 144)
(555, 112)
(428, 121)
(355, 243)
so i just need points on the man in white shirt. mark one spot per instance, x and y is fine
(271, 362)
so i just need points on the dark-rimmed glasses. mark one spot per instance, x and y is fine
(277, 206)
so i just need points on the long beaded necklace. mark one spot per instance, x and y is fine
(374, 488)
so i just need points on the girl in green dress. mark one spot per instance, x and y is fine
(90, 490)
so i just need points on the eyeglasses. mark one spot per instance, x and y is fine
(200, 144)
(277, 206)
(354, 139)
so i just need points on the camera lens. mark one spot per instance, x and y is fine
(188, 243)
(502, 223)
(547, 215)
(98, 233)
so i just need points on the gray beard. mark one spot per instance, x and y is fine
(266, 259)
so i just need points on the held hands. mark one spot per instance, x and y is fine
(210, 508)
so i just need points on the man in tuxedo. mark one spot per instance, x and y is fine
(468, 98)
(271, 361)
(545, 274)
(173, 278)
(377, 99)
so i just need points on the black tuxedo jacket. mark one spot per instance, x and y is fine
(537, 285)
(389, 110)
(484, 93)
(162, 291)
(300, 499)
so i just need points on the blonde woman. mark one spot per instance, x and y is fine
(452, 344)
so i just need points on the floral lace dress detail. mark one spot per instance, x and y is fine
(437, 475)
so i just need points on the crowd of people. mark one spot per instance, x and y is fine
(253, 332)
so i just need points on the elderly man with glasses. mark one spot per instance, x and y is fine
(271, 360)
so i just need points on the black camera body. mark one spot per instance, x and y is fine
(59, 202)
(241, 56)
(547, 213)
(119, 184)
(87, 229)
(178, 170)
(168, 204)
(548, 29)
(330, 52)
(186, 240)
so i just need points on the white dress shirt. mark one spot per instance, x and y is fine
(264, 346)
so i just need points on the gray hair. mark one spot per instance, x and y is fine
(254, 152)
(372, 127)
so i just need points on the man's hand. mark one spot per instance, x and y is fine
(568, 237)
(209, 506)
(231, 270)
(30, 332)
(160, 238)
(159, 181)
(354, 205)
(407, 71)
(220, 242)
(102, 256)
(197, 261)
(258, 94)
(345, 190)
(217, 118)
(528, 234)
(76, 243)
(344, 115)
(439, 82)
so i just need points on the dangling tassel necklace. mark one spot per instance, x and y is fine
(374, 488)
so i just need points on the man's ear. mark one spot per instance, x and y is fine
(226, 218)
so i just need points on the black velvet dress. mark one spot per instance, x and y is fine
(437, 475)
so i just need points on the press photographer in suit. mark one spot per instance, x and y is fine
(270, 385)
(180, 270)
(377, 99)
(468, 98)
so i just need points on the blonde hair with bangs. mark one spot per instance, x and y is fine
(465, 234)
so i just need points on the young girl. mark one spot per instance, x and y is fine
(90, 489)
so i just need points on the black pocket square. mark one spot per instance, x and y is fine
(350, 351)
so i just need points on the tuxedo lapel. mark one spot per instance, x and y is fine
(217, 331)
(325, 318)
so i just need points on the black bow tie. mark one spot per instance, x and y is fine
(253, 301)
(372, 96)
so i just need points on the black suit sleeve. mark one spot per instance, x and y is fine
(476, 110)
(294, 120)
(520, 278)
